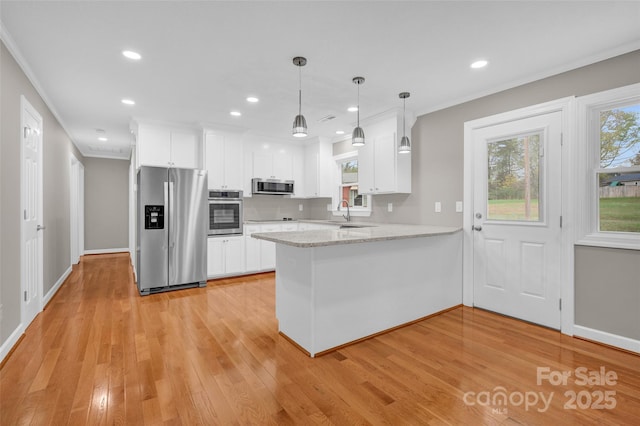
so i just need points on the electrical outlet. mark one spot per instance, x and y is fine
(390, 207)
(300, 207)
(458, 206)
(438, 206)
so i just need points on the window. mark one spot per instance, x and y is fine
(609, 129)
(618, 174)
(514, 178)
(359, 204)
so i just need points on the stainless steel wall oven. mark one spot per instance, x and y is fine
(225, 212)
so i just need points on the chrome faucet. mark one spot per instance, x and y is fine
(348, 216)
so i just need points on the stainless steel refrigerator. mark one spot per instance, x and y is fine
(171, 228)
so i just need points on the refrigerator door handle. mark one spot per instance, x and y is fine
(172, 196)
(166, 209)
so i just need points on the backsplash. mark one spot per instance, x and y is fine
(276, 207)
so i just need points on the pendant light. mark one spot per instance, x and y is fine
(405, 144)
(357, 137)
(299, 123)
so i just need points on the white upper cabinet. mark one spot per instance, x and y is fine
(168, 147)
(381, 169)
(318, 167)
(224, 160)
(272, 165)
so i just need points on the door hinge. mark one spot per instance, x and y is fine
(560, 221)
(560, 304)
(561, 139)
(25, 214)
(25, 295)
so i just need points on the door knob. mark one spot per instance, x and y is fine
(40, 228)
(476, 228)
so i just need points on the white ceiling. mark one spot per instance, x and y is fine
(202, 59)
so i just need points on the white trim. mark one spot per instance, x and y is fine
(11, 341)
(587, 233)
(107, 251)
(607, 338)
(565, 106)
(52, 292)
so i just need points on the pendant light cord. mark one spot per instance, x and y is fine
(299, 90)
(358, 105)
(404, 114)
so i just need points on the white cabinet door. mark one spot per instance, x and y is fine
(283, 165)
(366, 168)
(267, 165)
(385, 163)
(184, 150)
(215, 256)
(214, 159)
(225, 256)
(154, 146)
(224, 161)
(252, 249)
(233, 163)
(234, 255)
(268, 249)
(263, 165)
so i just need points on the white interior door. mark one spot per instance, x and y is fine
(517, 218)
(32, 229)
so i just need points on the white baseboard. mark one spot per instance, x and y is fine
(106, 251)
(52, 292)
(607, 338)
(8, 344)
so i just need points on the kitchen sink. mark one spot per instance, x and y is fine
(354, 225)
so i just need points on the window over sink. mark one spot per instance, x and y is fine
(359, 204)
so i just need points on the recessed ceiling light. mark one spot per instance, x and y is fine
(128, 102)
(339, 132)
(102, 139)
(252, 99)
(352, 109)
(236, 113)
(131, 55)
(479, 64)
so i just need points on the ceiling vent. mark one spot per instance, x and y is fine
(327, 118)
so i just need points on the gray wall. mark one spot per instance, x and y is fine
(106, 200)
(56, 149)
(274, 207)
(608, 290)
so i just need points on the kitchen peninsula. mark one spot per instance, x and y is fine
(338, 286)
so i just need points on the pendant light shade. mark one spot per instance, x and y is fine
(405, 144)
(357, 137)
(299, 123)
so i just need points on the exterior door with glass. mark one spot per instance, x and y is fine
(517, 218)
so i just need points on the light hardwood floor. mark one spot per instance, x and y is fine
(101, 354)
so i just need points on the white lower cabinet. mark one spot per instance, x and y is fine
(225, 256)
(245, 255)
(267, 248)
(251, 249)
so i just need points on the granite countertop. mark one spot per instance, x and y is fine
(360, 233)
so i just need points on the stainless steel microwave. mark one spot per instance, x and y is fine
(271, 186)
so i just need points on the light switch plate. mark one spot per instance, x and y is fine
(329, 207)
(390, 207)
(300, 207)
(438, 206)
(458, 206)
